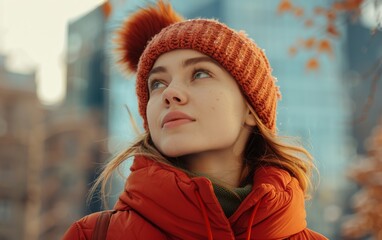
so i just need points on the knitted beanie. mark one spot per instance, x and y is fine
(155, 30)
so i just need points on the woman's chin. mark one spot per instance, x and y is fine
(174, 154)
(176, 151)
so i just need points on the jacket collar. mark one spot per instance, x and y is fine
(187, 208)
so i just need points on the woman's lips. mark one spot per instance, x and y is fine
(176, 118)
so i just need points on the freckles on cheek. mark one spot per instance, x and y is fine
(214, 99)
(215, 103)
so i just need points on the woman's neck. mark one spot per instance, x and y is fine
(224, 167)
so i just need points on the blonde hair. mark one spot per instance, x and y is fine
(265, 148)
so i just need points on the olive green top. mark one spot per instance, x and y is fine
(230, 200)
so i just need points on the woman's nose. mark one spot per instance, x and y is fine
(174, 95)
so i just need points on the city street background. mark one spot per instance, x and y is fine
(64, 104)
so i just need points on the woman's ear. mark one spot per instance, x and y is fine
(250, 119)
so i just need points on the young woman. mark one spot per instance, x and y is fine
(210, 164)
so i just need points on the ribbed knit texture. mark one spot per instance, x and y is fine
(238, 54)
(230, 200)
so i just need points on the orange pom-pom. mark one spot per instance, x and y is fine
(139, 29)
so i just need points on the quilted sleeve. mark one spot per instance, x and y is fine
(73, 233)
(308, 234)
(82, 229)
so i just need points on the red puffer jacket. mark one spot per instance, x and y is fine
(161, 202)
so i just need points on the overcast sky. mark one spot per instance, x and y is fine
(33, 37)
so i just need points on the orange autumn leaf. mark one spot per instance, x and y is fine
(332, 30)
(312, 64)
(319, 10)
(292, 51)
(298, 11)
(339, 6)
(347, 5)
(284, 6)
(331, 15)
(353, 4)
(106, 8)
(309, 23)
(325, 46)
(310, 42)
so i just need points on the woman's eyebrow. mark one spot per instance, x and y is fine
(193, 61)
(186, 63)
(157, 70)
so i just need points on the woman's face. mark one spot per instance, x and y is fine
(195, 106)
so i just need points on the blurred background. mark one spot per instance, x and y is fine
(63, 104)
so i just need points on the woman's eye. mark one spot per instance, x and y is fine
(201, 74)
(155, 84)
